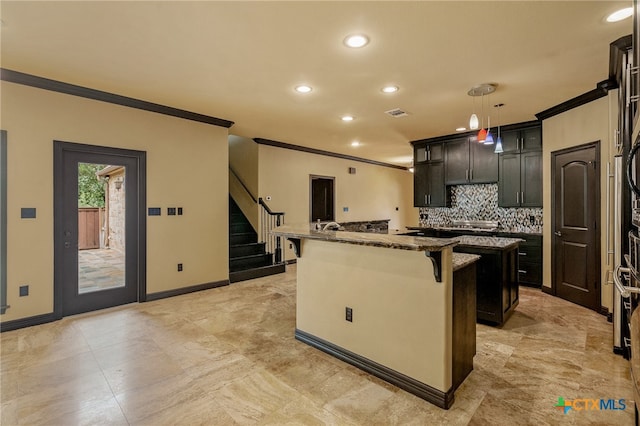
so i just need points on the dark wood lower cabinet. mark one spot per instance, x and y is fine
(497, 289)
(464, 323)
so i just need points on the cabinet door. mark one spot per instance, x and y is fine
(420, 185)
(531, 139)
(435, 152)
(510, 141)
(435, 178)
(419, 154)
(531, 179)
(484, 163)
(509, 183)
(456, 154)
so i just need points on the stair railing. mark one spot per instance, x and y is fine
(270, 220)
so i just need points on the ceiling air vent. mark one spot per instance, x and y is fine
(396, 112)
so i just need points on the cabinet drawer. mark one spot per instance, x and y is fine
(530, 254)
(530, 272)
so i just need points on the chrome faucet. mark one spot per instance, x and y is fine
(331, 226)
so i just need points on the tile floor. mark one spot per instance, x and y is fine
(100, 269)
(227, 356)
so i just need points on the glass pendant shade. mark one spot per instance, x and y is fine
(489, 139)
(473, 122)
(482, 135)
(498, 149)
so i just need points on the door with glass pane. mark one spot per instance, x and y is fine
(98, 244)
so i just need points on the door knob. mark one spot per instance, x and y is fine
(558, 233)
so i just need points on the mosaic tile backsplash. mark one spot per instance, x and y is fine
(480, 202)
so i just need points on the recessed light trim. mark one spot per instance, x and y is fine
(461, 129)
(620, 15)
(355, 143)
(356, 41)
(347, 118)
(390, 89)
(303, 88)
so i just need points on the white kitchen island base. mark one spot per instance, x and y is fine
(401, 315)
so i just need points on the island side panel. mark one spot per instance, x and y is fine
(401, 315)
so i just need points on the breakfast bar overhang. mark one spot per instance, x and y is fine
(383, 303)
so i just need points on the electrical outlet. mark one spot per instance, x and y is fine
(348, 314)
(179, 211)
(24, 290)
(179, 267)
(532, 219)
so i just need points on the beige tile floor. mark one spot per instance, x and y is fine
(228, 356)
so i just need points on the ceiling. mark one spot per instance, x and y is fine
(240, 61)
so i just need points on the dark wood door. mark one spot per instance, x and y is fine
(77, 290)
(420, 185)
(457, 159)
(322, 199)
(531, 179)
(531, 139)
(435, 178)
(509, 183)
(483, 164)
(576, 203)
(511, 141)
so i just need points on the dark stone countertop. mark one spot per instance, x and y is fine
(400, 242)
(500, 243)
(460, 260)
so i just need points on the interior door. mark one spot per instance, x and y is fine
(575, 248)
(322, 199)
(78, 285)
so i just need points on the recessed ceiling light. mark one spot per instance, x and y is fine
(620, 14)
(356, 40)
(355, 143)
(347, 118)
(390, 89)
(303, 88)
(461, 129)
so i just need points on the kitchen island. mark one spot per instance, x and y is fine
(497, 281)
(385, 304)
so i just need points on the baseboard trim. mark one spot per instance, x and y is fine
(291, 261)
(27, 322)
(185, 290)
(421, 390)
(251, 274)
(605, 311)
(547, 290)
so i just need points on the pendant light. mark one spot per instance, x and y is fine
(480, 90)
(482, 134)
(498, 149)
(473, 121)
(489, 137)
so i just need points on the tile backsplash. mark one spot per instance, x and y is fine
(480, 202)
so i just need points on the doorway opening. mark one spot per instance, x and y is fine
(99, 227)
(322, 198)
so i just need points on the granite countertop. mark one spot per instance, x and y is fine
(475, 230)
(460, 260)
(488, 242)
(400, 242)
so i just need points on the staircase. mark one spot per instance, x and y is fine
(248, 258)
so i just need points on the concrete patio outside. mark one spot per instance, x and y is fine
(100, 269)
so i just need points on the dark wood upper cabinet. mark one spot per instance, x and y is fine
(428, 185)
(428, 152)
(520, 182)
(529, 139)
(468, 161)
